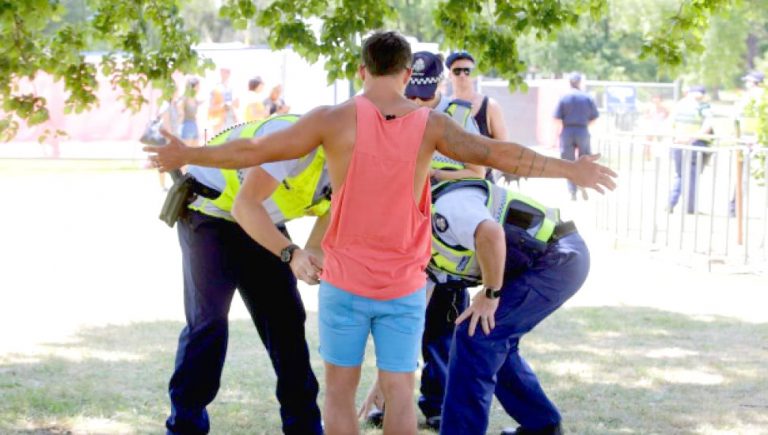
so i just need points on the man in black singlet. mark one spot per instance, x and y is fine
(486, 110)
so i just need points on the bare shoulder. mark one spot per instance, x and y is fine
(328, 116)
(494, 105)
(436, 124)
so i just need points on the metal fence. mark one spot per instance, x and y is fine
(722, 211)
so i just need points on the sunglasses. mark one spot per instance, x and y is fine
(413, 98)
(457, 71)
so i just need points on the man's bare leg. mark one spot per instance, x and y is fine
(339, 413)
(400, 414)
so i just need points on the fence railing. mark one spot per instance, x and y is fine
(722, 205)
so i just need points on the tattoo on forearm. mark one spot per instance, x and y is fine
(519, 158)
(463, 146)
(530, 169)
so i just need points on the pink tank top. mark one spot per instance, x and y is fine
(378, 241)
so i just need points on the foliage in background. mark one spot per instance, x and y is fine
(148, 40)
(731, 45)
(145, 41)
(760, 110)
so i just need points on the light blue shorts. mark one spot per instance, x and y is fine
(346, 319)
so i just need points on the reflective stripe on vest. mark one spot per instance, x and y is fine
(461, 262)
(305, 194)
(748, 120)
(460, 112)
(688, 118)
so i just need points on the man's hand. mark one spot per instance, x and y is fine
(170, 156)
(481, 310)
(374, 400)
(587, 173)
(306, 267)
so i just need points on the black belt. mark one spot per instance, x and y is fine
(203, 190)
(195, 186)
(561, 230)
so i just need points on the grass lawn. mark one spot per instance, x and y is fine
(91, 308)
(611, 370)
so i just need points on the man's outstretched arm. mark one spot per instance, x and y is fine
(513, 158)
(289, 143)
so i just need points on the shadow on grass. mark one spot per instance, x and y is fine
(610, 369)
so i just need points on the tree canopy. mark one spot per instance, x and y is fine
(146, 41)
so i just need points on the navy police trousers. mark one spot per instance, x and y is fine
(484, 365)
(218, 256)
(445, 304)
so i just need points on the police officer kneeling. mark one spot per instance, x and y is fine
(544, 263)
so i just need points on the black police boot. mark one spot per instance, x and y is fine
(434, 423)
(375, 418)
(553, 429)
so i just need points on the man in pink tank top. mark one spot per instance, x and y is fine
(378, 147)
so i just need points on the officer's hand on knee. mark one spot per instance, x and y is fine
(483, 311)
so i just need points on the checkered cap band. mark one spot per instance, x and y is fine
(421, 81)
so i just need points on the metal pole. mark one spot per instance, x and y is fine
(696, 187)
(739, 196)
(655, 203)
(745, 172)
(642, 193)
(609, 152)
(714, 160)
(728, 211)
(629, 184)
(765, 207)
(685, 162)
(618, 169)
(668, 208)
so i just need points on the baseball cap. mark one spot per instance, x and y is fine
(574, 77)
(427, 72)
(457, 55)
(754, 76)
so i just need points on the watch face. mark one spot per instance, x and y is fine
(286, 255)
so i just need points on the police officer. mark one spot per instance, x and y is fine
(575, 111)
(423, 89)
(746, 109)
(692, 119)
(219, 256)
(480, 229)
(746, 119)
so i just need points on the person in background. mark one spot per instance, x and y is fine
(692, 120)
(253, 107)
(656, 117)
(486, 111)
(190, 133)
(275, 103)
(169, 114)
(575, 111)
(221, 110)
(746, 117)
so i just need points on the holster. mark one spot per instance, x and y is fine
(183, 192)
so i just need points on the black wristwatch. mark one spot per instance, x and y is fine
(491, 293)
(286, 255)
